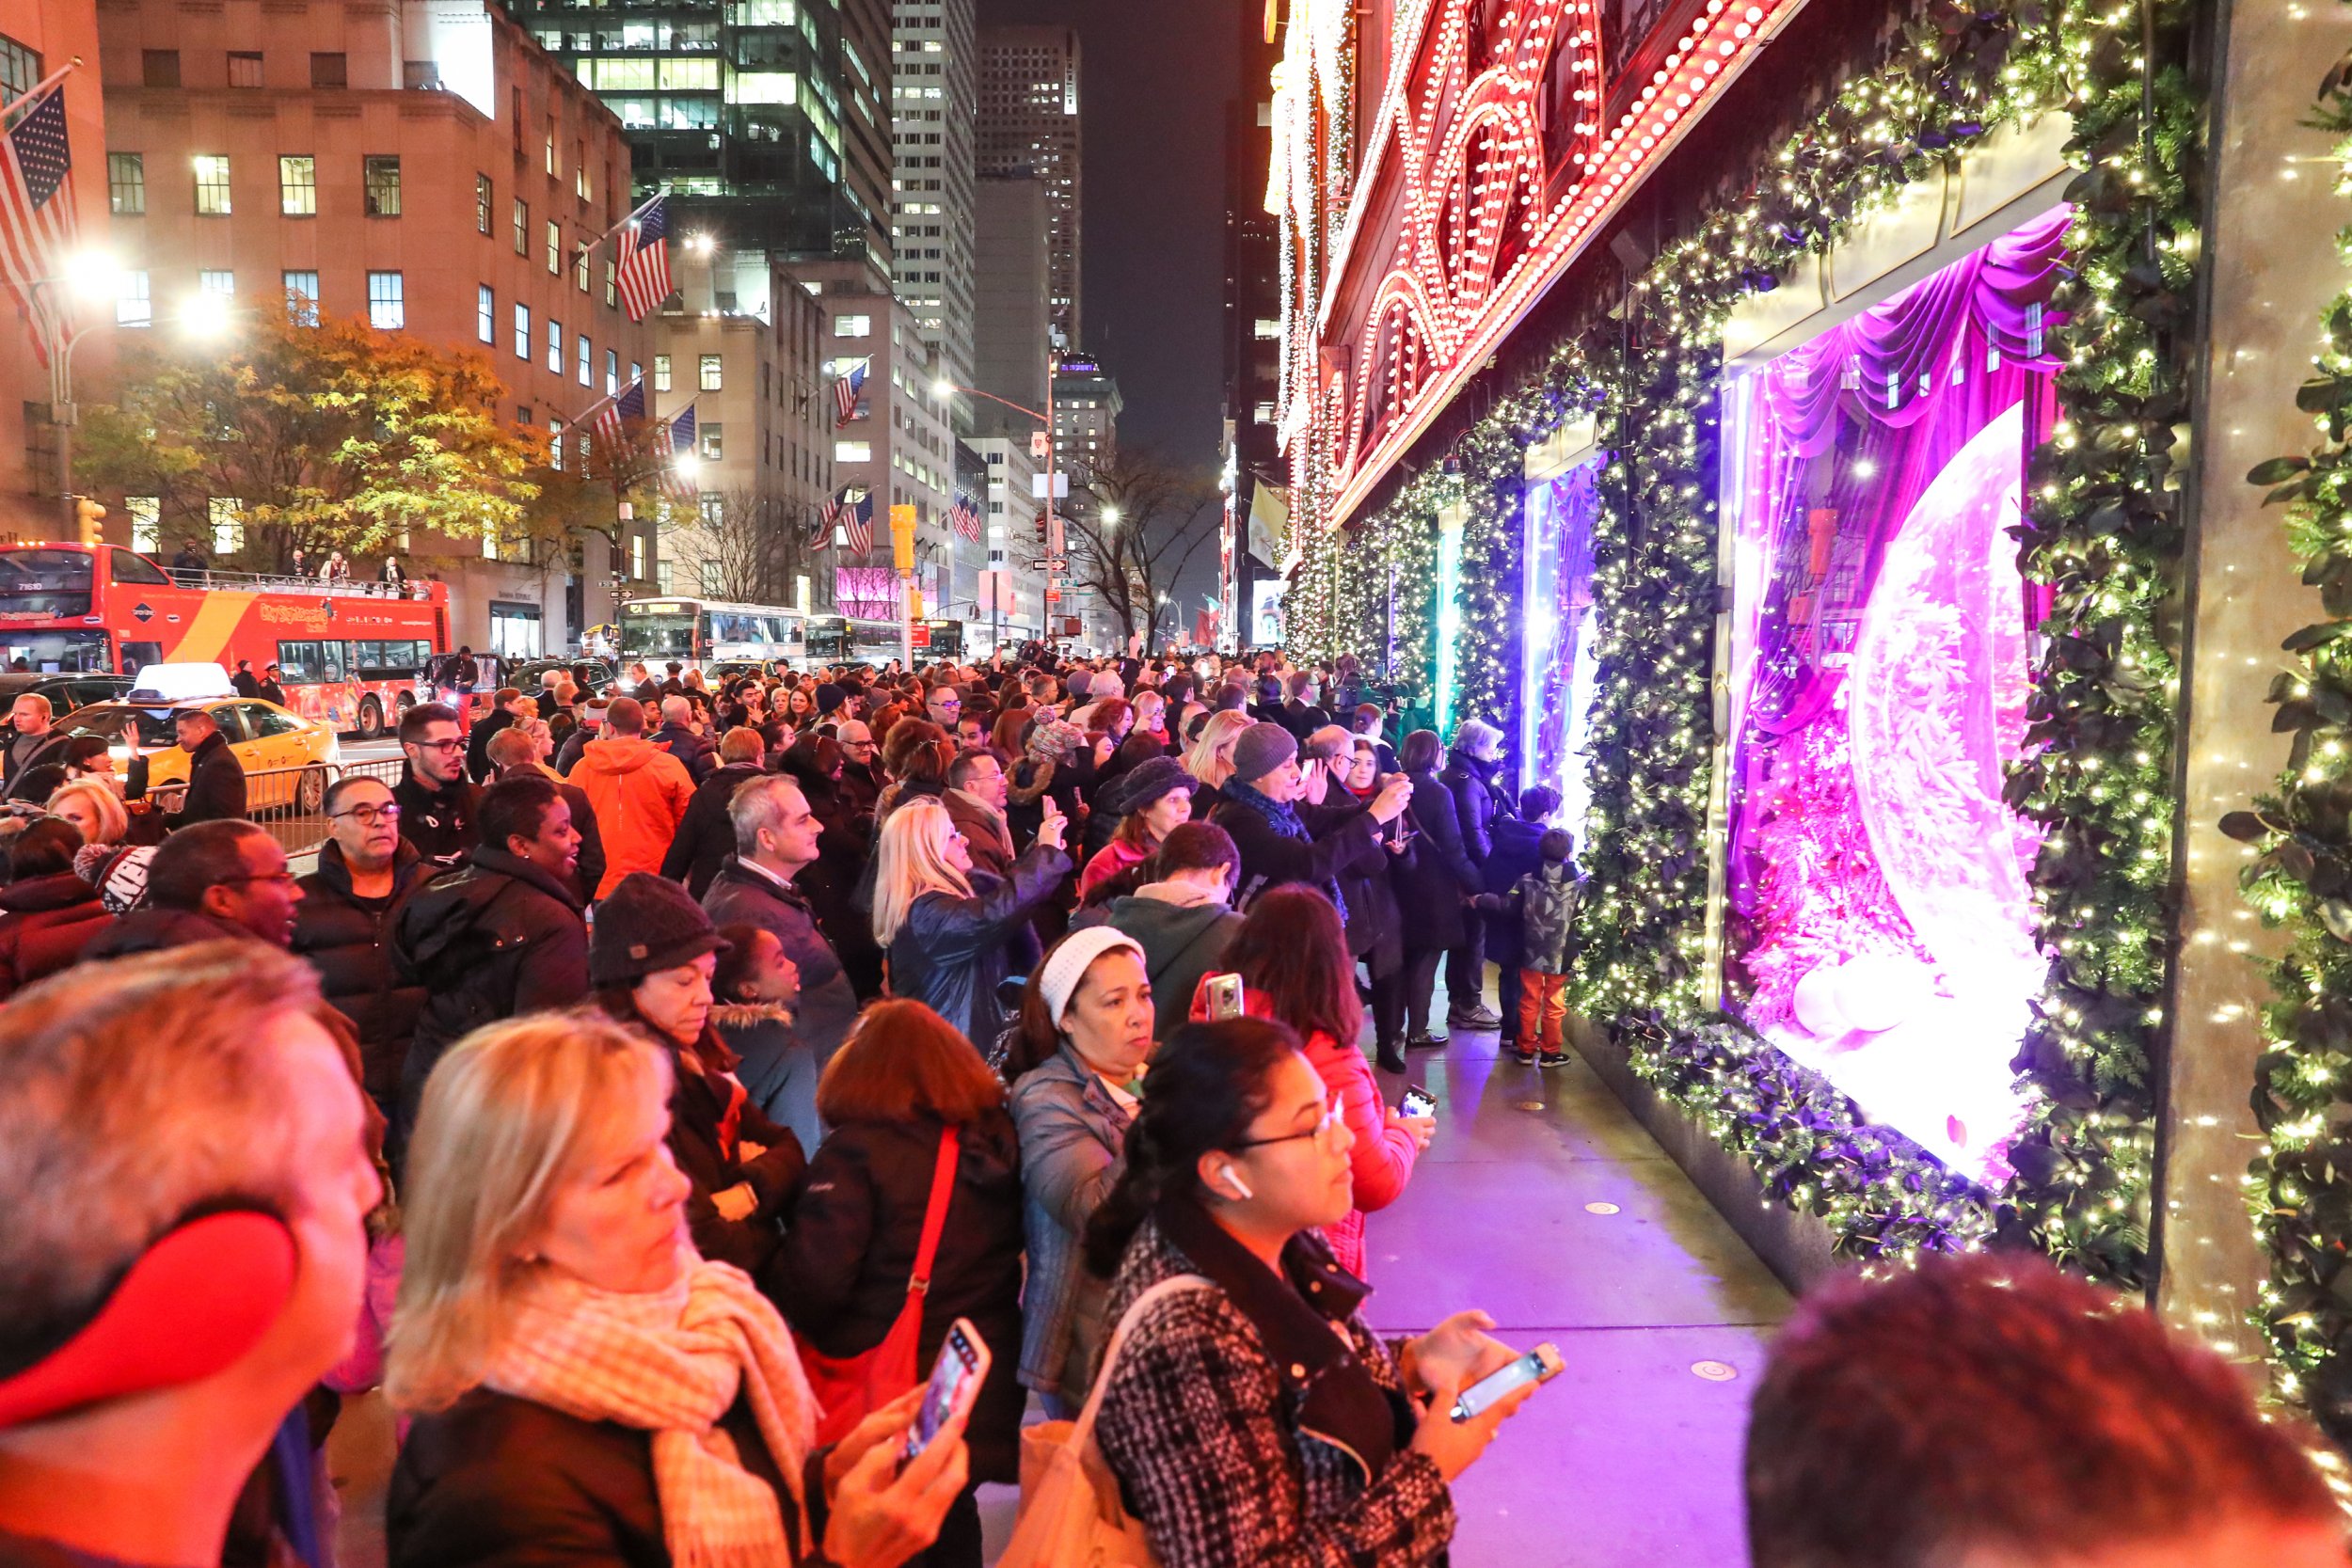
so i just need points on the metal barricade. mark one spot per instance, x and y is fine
(292, 802)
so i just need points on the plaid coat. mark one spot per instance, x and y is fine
(1202, 1430)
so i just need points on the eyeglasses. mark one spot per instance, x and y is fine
(439, 745)
(369, 816)
(1319, 1130)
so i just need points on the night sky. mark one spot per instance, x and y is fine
(1154, 79)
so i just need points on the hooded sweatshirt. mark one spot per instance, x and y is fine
(1184, 933)
(640, 793)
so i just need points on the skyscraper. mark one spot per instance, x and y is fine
(934, 93)
(1014, 318)
(769, 114)
(1029, 126)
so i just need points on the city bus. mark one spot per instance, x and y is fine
(850, 640)
(348, 653)
(701, 633)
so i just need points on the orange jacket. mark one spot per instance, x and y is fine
(640, 793)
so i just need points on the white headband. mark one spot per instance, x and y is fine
(1059, 976)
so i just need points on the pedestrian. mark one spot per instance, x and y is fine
(521, 749)
(1148, 803)
(651, 959)
(679, 736)
(1086, 1026)
(497, 936)
(919, 1129)
(1375, 921)
(1436, 885)
(1210, 759)
(186, 1166)
(94, 807)
(214, 788)
(1258, 1419)
(32, 738)
(640, 793)
(364, 868)
(1471, 765)
(1369, 721)
(706, 835)
(506, 705)
(463, 674)
(48, 914)
(952, 934)
(753, 992)
(862, 778)
(1181, 918)
(209, 881)
(437, 804)
(1292, 956)
(1281, 841)
(244, 682)
(273, 686)
(576, 1379)
(590, 726)
(975, 801)
(777, 841)
(1516, 850)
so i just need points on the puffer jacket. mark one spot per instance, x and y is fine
(1380, 1161)
(342, 937)
(774, 1065)
(640, 793)
(48, 922)
(706, 836)
(152, 929)
(952, 953)
(1478, 801)
(1183, 935)
(699, 755)
(1546, 902)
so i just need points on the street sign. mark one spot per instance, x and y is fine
(1061, 485)
(1057, 563)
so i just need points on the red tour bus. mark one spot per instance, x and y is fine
(348, 653)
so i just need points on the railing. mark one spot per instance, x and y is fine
(286, 582)
(292, 802)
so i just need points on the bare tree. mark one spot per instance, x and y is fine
(756, 541)
(1138, 521)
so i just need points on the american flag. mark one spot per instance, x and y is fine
(965, 517)
(630, 405)
(845, 394)
(680, 442)
(828, 517)
(642, 267)
(857, 521)
(36, 223)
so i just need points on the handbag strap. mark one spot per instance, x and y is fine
(1083, 1431)
(935, 1214)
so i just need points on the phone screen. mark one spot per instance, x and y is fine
(955, 1383)
(1536, 1366)
(1225, 997)
(1420, 1103)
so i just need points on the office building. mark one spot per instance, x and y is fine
(1013, 332)
(935, 95)
(1028, 126)
(1011, 607)
(424, 165)
(772, 115)
(1087, 406)
(1254, 319)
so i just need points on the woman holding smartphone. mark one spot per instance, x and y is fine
(1259, 1422)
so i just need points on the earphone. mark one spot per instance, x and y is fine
(1241, 1188)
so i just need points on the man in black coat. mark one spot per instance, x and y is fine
(499, 937)
(706, 836)
(437, 805)
(364, 868)
(215, 788)
(776, 840)
(1435, 887)
(677, 738)
(507, 707)
(1281, 842)
(1472, 765)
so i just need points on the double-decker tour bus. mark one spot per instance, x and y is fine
(704, 634)
(348, 653)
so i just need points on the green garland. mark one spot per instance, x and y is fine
(2101, 532)
(2303, 880)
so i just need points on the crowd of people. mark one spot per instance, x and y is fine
(642, 1089)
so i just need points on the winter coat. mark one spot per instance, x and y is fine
(1375, 928)
(745, 895)
(497, 1481)
(1072, 1129)
(774, 1065)
(640, 793)
(706, 836)
(342, 937)
(1181, 940)
(952, 952)
(1517, 852)
(711, 1117)
(438, 822)
(215, 788)
(849, 1250)
(493, 938)
(1432, 885)
(1380, 1161)
(1479, 802)
(1268, 860)
(699, 755)
(1110, 861)
(989, 836)
(1547, 901)
(569, 751)
(588, 871)
(478, 766)
(861, 786)
(152, 929)
(48, 922)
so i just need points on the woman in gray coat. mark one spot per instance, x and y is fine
(1085, 1028)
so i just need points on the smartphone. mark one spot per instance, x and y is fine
(1225, 998)
(1419, 1101)
(1538, 1366)
(956, 1379)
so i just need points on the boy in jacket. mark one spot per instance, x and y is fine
(1544, 902)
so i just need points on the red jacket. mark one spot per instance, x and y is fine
(46, 924)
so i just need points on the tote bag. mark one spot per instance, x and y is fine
(1071, 1512)
(850, 1388)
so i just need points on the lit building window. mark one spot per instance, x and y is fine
(381, 178)
(126, 183)
(386, 311)
(212, 184)
(133, 308)
(711, 372)
(484, 313)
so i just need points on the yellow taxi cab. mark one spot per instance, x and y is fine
(288, 760)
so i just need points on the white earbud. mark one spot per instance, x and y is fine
(1241, 1188)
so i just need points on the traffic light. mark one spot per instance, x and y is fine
(90, 521)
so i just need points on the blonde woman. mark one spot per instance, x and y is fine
(950, 932)
(583, 1385)
(1211, 759)
(94, 807)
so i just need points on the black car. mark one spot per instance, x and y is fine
(66, 691)
(525, 677)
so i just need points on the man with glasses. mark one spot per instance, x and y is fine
(944, 705)
(208, 881)
(365, 867)
(861, 773)
(436, 804)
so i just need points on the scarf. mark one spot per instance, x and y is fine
(995, 819)
(1283, 818)
(670, 1363)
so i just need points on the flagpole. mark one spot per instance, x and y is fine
(39, 88)
(636, 211)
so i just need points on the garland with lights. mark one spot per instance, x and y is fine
(2101, 532)
(2303, 880)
